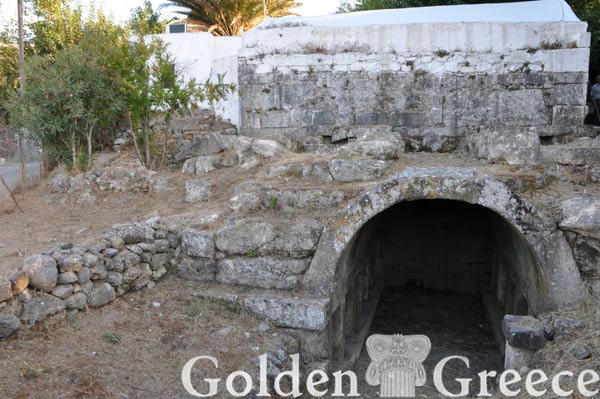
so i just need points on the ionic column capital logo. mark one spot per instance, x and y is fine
(397, 363)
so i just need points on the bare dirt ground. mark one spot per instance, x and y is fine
(133, 348)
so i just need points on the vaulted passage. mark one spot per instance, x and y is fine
(446, 269)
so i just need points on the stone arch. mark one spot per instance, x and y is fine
(553, 280)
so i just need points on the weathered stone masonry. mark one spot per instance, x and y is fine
(489, 88)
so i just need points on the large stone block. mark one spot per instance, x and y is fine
(586, 251)
(261, 272)
(296, 240)
(196, 269)
(578, 156)
(565, 115)
(289, 311)
(207, 144)
(513, 146)
(581, 214)
(244, 236)
(301, 198)
(133, 232)
(571, 94)
(196, 243)
(523, 332)
(349, 170)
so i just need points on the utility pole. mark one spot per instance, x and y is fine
(21, 87)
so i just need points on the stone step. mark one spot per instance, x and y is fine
(582, 152)
(283, 309)
(286, 199)
(341, 170)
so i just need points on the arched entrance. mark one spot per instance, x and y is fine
(444, 229)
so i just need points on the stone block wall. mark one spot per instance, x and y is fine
(489, 88)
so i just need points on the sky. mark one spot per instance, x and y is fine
(120, 8)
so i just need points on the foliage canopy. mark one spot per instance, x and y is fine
(233, 17)
(89, 76)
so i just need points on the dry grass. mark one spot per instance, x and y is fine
(129, 349)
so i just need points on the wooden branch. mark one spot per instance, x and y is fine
(10, 193)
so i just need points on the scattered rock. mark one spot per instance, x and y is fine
(224, 332)
(60, 181)
(580, 352)
(267, 148)
(263, 327)
(197, 190)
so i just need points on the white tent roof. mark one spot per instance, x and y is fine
(526, 11)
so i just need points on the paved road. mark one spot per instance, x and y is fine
(12, 175)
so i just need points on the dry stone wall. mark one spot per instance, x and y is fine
(66, 279)
(488, 88)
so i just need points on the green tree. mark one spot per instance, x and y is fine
(57, 25)
(145, 20)
(233, 17)
(9, 71)
(154, 88)
(68, 98)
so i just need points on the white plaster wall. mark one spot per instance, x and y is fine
(201, 56)
(418, 38)
(229, 109)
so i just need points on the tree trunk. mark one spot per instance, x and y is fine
(89, 147)
(147, 139)
(73, 149)
(21, 86)
(134, 137)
